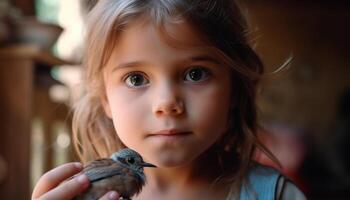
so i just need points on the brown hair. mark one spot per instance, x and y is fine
(225, 29)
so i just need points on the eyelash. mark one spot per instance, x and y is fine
(207, 74)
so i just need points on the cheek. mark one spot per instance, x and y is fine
(210, 110)
(128, 114)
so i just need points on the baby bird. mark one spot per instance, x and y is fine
(122, 172)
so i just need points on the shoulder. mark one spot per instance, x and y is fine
(267, 183)
(287, 190)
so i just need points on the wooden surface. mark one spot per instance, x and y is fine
(27, 7)
(17, 89)
(34, 53)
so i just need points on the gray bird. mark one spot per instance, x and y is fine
(122, 172)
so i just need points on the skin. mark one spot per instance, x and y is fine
(51, 185)
(163, 96)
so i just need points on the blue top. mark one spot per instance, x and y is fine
(261, 184)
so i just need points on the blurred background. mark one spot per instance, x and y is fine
(305, 109)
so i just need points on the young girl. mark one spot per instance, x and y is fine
(176, 81)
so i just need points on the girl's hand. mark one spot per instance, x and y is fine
(49, 185)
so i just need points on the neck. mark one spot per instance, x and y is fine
(201, 172)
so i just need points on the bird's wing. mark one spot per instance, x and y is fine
(102, 168)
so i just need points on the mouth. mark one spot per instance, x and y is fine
(170, 133)
(170, 138)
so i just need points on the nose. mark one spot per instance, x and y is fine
(167, 101)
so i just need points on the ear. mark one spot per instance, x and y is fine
(106, 107)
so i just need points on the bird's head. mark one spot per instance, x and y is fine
(132, 160)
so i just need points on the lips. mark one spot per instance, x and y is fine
(170, 132)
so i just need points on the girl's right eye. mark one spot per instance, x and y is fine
(136, 80)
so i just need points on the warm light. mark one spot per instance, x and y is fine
(59, 93)
(63, 140)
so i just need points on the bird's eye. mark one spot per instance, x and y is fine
(130, 160)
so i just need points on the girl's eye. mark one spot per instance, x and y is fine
(135, 80)
(198, 74)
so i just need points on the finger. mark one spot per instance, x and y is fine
(68, 190)
(54, 177)
(112, 195)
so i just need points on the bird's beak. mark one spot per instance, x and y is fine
(144, 164)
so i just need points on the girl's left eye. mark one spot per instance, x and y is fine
(197, 74)
(136, 80)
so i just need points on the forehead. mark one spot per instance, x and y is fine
(143, 36)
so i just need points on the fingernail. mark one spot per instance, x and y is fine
(82, 179)
(112, 195)
(78, 165)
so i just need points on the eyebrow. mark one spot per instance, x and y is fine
(198, 58)
(129, 64)
(204, 58)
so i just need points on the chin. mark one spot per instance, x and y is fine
(171, 159)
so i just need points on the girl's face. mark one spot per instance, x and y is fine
(169, 104)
